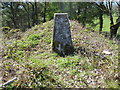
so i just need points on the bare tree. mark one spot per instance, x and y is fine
(36, 12)
(26, 7)
(101, 9)
(113, 27)
(45, 7)
(13, 8)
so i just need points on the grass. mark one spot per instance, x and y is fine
(106, 24)
(31, 59)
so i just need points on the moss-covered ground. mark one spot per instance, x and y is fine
(29, 57)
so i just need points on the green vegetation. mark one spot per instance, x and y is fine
(24, 15)
(106, 24)
(26, 45)
(31, 59)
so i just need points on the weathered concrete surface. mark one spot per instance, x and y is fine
(62, 42)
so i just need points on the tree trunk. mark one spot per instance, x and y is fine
(110, 13)
(101, 21)
(33, 14)
(13, 15)
(114, 29)
(70, 10)
(36, 14)
(100, 8)
(28, 14)
(78, 11)
(44, 20)
(84, 18)
(61, 6)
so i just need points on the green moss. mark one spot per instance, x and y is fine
(14, 30)
(6, 29)
(33, 37)
(112, 84)
(51, 70)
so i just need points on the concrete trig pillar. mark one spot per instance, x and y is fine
(62, 42)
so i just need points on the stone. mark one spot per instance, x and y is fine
(62, 42)
(107, 52)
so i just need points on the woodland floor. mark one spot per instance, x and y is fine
(28, 56)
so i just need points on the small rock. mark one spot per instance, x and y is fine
(107, 52)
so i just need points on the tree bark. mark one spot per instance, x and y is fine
(28, 14)
(78, 11)
(101, 16)
(36, 13)
(33, 14)
(13, 14)
(71, 10)
(110, 13)
(44, 20)
(114, 29)
(101, 21)
(61, 5)
(84, 18)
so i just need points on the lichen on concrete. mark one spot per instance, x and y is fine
(62, 42)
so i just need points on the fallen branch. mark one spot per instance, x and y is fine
(8, 82)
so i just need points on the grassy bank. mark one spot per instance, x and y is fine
(32, 61)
